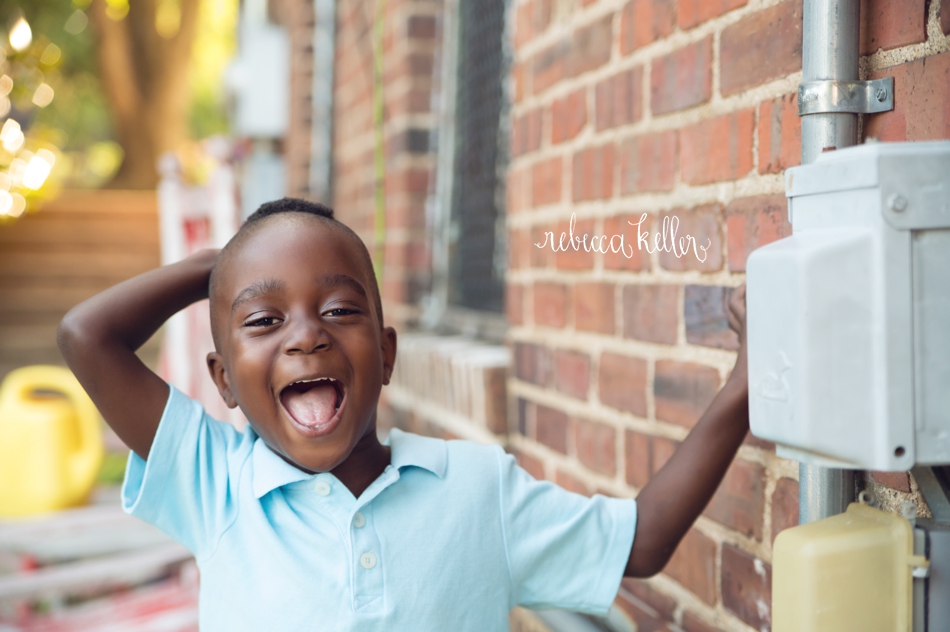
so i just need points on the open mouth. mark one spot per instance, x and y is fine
(314, 405)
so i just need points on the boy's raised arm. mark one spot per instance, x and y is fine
(98, 339)
(672, 500)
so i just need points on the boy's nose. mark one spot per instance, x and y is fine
(306, 335)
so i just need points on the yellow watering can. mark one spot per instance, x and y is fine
(50, 441)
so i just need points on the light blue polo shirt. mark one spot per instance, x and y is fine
(450, 537)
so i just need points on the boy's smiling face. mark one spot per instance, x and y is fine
(300, 346)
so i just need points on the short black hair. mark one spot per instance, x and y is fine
(290, 205)
(296, 205)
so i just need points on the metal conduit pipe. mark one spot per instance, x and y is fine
(830, 50)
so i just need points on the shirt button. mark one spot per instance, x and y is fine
(367, 560)
(322, 488)
(359, 520)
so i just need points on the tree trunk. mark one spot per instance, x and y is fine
(145, 80)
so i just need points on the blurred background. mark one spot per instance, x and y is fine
(450, 136)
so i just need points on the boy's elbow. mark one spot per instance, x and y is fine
(71, 333)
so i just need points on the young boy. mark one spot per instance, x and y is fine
(306, 521)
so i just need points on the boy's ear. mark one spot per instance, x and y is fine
(388, 347)
(220, 377)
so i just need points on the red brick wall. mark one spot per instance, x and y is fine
(297, 17)
(680, 108)
(410, 42)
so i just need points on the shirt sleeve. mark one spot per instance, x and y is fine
(564, 550)
(184, 488)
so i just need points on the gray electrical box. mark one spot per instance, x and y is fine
(849, 318)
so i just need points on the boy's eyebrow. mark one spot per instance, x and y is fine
(255, 290)
(260, 288)
(333, 280)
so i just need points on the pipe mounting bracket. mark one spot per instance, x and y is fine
(828, 96)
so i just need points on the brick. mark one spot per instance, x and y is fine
(578, 256)
(922, 108)
(648, 163)
(514, 303)
(549, 66)
(784, 506)
(546, 184)
(532, 363)
(622, 383)
(739, 503)
(717, 149)
(747, 587)
(532, 19)
(887, 24)
(519, 73)
(526, 135)
(531, 465)
(568, 116)
(594, 307)
(571, 483)
(752, 223)
(682, 78)
(694, 239)
(521, 248)
(764, 46)
(590, 46)
(894, 480)
(550, 428)
(692, 622)
(650, 313)
(694, 12)
(683, 391)
(618, 100)
(645, 456)
(780, 134)
(636, 449)
(663, 604)
(496, 400)
(542, 255)
(550, 304)
(593, 173)
(623, 238)
(421, 26)
(705, 313)
(518, 190)
(645, 21)
(693, 566)
(572, 373)
(596, 445)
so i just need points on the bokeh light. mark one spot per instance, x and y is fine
(20, 35)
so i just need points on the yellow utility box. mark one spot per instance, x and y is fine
(849, 573)
(50, 441)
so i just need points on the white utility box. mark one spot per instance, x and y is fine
(849, 318)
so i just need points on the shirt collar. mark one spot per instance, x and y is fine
(408, 450)
(414, 450)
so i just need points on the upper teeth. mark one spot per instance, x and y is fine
(316, 379)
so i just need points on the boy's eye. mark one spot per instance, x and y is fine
(341, 311)
(264, 321)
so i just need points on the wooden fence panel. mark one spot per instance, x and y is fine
(73, 247)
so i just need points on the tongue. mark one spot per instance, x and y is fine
(313, 407)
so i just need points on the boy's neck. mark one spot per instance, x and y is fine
(364, 464)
